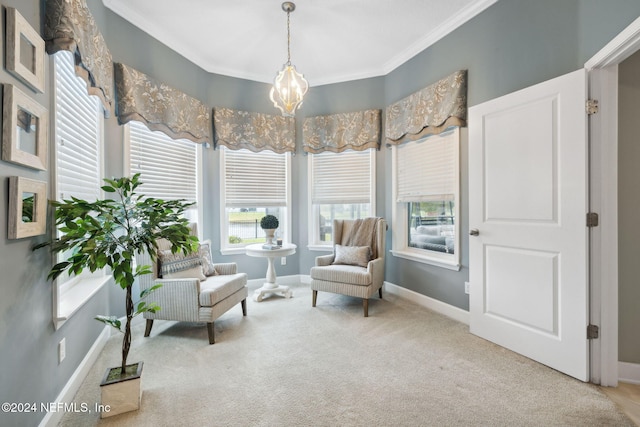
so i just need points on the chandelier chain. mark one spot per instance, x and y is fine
(288, 39)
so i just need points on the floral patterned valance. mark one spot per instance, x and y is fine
(160, 106)
(254, 131)
(338, 132)
(428, 111)
(69, 25)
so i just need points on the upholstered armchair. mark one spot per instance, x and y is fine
(194, 289)
(356, 267)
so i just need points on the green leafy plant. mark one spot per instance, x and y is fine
(110, 232)
(269, 222)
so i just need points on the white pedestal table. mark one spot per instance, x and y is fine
(270, 286)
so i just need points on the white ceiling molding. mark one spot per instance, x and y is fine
(331, 41)
(437, 33)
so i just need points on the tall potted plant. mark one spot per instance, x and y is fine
(109, 233)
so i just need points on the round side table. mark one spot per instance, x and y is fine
(270, 286)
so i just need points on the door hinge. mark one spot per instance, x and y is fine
(592, 332)
(592, 106)
(592, 219)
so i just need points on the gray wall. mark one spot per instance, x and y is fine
(29, 369)
(513, 44)
(629, 206)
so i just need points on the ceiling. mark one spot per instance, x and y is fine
(331, 40)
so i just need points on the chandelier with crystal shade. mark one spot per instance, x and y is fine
(289, 86)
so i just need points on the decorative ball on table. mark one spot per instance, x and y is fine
(269, 223)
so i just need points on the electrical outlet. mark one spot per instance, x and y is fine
(466, 287)
(62, 350)
(283, 260)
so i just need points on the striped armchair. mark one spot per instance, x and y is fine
(356, 267)
(194, 299)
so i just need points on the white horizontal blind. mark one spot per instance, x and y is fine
(427, 169)
(167, 167)
(78, 130)
(341, 178)
(255, 179)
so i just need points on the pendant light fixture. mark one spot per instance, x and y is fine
(289, 86)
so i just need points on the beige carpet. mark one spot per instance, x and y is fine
(288, 364)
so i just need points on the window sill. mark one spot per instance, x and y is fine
(450, 265)
(326, 248)
(233, 251)
(74, 296)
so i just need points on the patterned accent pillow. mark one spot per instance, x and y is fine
(179, 265)
(191, 273)
(207, 263)
(352, 255)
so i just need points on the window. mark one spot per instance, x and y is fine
(426, 193)
(341, 186)
(78, 132)
(253, 185)
(169, 168)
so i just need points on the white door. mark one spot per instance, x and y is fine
(528, 202)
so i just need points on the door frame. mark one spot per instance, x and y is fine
(603, 140)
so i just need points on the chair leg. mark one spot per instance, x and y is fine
(314, 298)
(210, 331)
(365, 306)
(243, 303)
(380, 292)
(147, 329)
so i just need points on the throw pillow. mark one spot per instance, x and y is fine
(352, 255)
(207, 263)
(179, 265)
(190, 273)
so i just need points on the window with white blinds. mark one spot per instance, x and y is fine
(339, 178)
(168, 167)
(252, 185)
(427, 169)
(78, 134)
(341, 186)
(254, 179)
(426, 190)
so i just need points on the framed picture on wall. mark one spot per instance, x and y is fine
(25, 51)
(25, 129)
(27, 207)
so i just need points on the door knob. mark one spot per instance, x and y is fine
(474, 232)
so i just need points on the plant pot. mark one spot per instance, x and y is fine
(270, 233)
(121, 394)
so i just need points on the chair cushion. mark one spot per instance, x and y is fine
(352, 255)
(217, 288)
(349, 274)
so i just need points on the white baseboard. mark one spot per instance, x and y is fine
(71, 388)
(428, 302)
(629, 372)
(422, 300)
